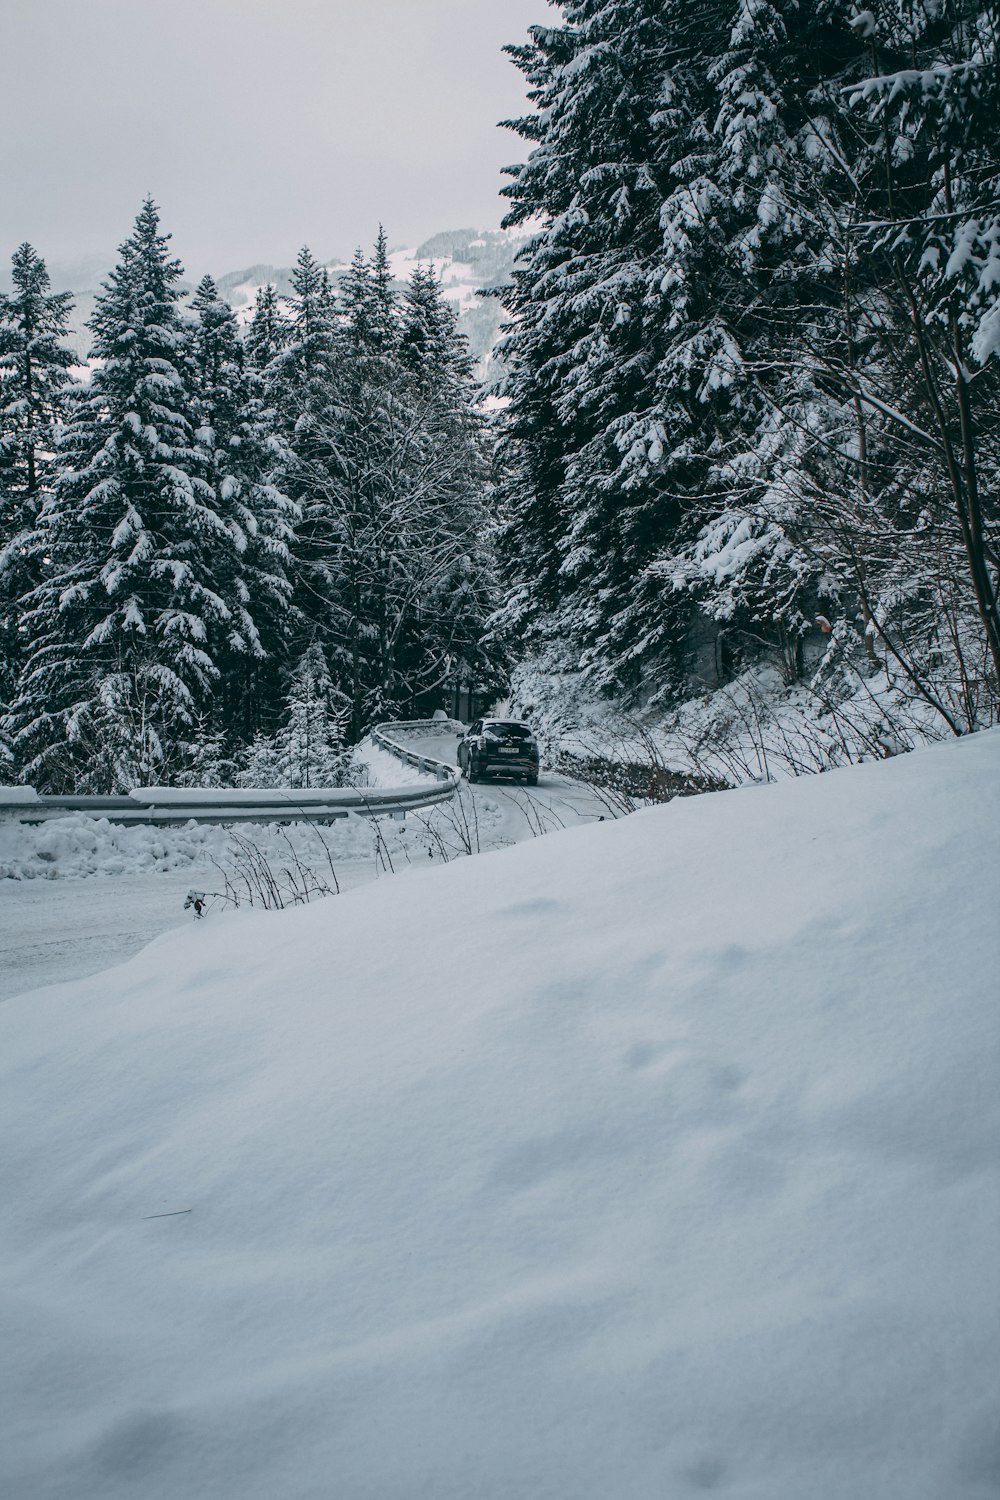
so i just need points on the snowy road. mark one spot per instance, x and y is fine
(58, 929)
(52, 930)
(62, 929)
(556, 802)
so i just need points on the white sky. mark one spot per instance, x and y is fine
(257, 125)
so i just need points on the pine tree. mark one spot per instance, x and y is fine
(368, 303)
(298, 373)
(671, 172)
(592, 481)
(240, 460)
(392, 551)
(450, 640)
(862, 350)
(430, 344)
(268, 332)
(927, 187)
(34, 371)
(128, 618)
(309, 749)
(34, 375)
(765, 275)
(311, 742)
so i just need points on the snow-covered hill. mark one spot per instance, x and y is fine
(656, 1157)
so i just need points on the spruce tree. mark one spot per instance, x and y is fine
(672, 173)
(592, 481)
(752, 350)
(927, 190)
(309, 748)
(298, 373)
(268, 332)
(34, 371)
(369, 305)
(240, 461)
(392, 548)
(311, 742)
(449, 641)
(430, 344)
(34, 375)
(127, 620)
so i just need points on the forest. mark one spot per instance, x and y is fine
(226, 553)
(754, 357)
(749, 422)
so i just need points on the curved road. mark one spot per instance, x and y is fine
(54, 930)
(525, 812)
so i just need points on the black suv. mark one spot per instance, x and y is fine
(502, 746)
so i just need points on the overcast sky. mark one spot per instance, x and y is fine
(257, 125)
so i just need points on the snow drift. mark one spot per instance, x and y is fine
(652, 1158)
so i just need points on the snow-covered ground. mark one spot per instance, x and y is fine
(755, 728)
(654, 1158)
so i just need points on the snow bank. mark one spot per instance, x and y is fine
(385, 769)
(755, 728)
(653, 1158)
(78, 846)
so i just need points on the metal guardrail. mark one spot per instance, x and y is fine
(178, 805)
(382, 734)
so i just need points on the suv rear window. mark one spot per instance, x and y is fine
(515, 731)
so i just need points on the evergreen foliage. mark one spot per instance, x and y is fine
(233, 552)
(310, 748)
(752, 361)
(268, 332)
(34, 373)
(298, 373)
(240, 456)
(393, 558)
(125, 621)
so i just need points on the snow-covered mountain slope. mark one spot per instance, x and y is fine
(655, 1157)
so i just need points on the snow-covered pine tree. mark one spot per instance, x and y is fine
(392, 550)
(429, 341)
(127, 620)
(675, 176)
(309, 749)
(311, 742)
(268, 331)
(876, 179)
(34, 374)
(369, 305)
(765, 280)
(240, 460)
(346, 471)
(295, 394)
(298, 373)
(449, 641)
(34, 371)
(601, 460)
(753, 352)
(928, 195)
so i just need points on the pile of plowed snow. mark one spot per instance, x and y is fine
(78, 846)
(648, 1159)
